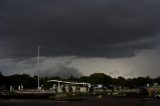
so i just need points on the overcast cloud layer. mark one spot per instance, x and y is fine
(103, 28)
(79, 28)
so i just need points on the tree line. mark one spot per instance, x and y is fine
(97, 78)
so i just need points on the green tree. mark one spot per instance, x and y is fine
(70, 89)
(77, 89)
(100, 78)
(84, 79)
(2, 79)
(121, 81)
(64, 88)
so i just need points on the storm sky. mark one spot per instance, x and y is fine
(80, 37)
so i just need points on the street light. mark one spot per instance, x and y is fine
(38, 67)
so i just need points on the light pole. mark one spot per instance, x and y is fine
(38, 67)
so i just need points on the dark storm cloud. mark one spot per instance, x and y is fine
(88, 28)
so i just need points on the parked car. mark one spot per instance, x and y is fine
(157, 96)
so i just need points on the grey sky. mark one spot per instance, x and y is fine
(106, 29)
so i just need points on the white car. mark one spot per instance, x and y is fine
(157, 96)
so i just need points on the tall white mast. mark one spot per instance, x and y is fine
(38, 67)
